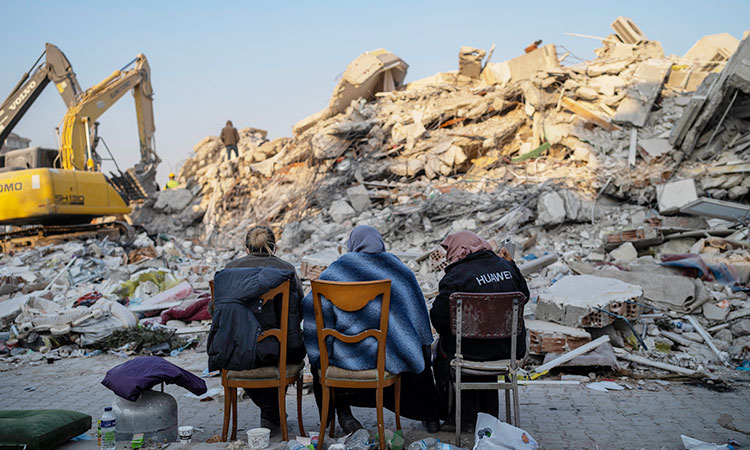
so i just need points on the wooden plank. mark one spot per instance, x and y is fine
(587, 114)
(647, 82)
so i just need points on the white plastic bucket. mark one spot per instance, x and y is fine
(258, 438)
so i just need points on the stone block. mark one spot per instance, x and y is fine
(673, 196)
(340, 211)
(625, 253)
(173, 200)
(359, 198)
(741, 328)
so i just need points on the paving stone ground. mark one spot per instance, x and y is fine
(558, 417)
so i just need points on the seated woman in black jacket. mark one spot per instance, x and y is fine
(260, 244)
(473, 268)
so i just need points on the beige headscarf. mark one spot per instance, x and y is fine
(461, 244)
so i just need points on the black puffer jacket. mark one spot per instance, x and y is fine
(235, 327)
(482, 272)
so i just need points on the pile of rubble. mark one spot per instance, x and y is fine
(67, 300)
(612, 176)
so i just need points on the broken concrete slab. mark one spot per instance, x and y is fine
(654, 148)
(572, 300)
(741, 328)
(549, 337)
(523, 67)
(550, 209)
(587, 114)
(645, 86)
(674, 195)
(373, 71)
(711, 311)
(711, 50)
(673, 292)
(173, 200)
(715, 92)
(340, 211)
(470, 61)
(627, 30)
(625, 253)
(359, 198)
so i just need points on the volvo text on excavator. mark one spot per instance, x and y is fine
(56, 69)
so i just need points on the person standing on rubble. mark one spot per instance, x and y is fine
(260, 244)
(230, 138)
(408, 341)
(469, 257)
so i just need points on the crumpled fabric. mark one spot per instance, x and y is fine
(140, 374)
(408, 320)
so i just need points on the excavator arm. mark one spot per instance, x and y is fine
(77, 149)
(57, 69)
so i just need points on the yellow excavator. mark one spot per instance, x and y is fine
(61, 195)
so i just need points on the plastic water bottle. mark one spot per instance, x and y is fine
(359, 440)
(424, 444)
(108, 429)
(447, 446)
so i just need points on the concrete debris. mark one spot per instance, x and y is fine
(549, 337)
(627, 31)
(674, 195)
(585, 166)
(576, 301)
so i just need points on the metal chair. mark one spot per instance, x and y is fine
(265, 377)
(353, 296)
(486, 316)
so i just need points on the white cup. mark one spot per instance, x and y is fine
(258, 438)
(186, 434)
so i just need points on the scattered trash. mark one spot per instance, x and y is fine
(605, 386)
(493, 434)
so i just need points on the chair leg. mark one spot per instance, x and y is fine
(397, 401)
(234, 414)
(458, 407)
(299, 407)
(507, 403)
(381, 425)
(332, 429)
(323, 416)
(282, 409)
(227, 413)
(515, 401)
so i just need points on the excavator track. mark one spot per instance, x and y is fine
(37, 235)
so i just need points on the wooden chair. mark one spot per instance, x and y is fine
(265, 377)
(486, 316)
(353, 296)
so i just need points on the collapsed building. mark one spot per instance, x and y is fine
(617, 177)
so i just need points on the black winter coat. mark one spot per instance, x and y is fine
(235, 329)
(481, 272)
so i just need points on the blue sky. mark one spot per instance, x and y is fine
(269, 64)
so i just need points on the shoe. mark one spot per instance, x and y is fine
(432, 426)
(273, 425)
(450, 426)
(348, 422)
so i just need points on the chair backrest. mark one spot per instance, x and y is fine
(280, 333)
(486, 316)
(352, 296)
